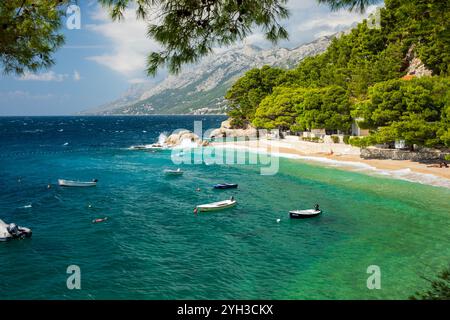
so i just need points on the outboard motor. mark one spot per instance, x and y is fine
(13, 230)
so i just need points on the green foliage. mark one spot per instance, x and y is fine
(324, 108)
(312, 139)
(423, 23)
(29, 34)
(444, 128)
(278, 109)
(447, 157)
(361, 142)
(335, 139)
(353, 5)
(247, 93)
(409, 110)
(301, 109)
(346, 139)
(440, 288)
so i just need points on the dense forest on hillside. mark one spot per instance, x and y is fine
(366, 75)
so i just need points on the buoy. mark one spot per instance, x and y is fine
(99, 220)
(278, 220)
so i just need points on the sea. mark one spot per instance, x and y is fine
(377, 238)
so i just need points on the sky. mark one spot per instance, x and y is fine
(102, 58)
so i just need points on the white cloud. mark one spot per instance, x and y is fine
(128, 38)
(333, 21)
(76, 76)
(46, 76)
(25, 95)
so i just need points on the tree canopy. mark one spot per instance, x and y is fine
(410, 110)
(29, 34)
(247, 93)
(187, 30)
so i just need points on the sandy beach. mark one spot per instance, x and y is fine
(345, 157)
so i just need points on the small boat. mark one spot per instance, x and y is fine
(170, 172)
(304, 214)
(154, 146)
(225, 186)
(215, 206)
(139, 147)
(70, 183)
(13, 231)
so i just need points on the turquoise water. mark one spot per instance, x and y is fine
(154, 247)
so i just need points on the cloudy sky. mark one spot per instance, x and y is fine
(103, 58)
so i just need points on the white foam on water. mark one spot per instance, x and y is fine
(162, 138)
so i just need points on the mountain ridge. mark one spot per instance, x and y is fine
(200, 89)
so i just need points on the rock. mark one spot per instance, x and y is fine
(184, 137)
(226, 130)
(415, 66)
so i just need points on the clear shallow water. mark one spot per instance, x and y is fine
(154, 247)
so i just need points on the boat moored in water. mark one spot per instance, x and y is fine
(304, 214)
(12, 231)
(225, 186)
(216, 206)
(71, 183)
(170, 172)
(154, 146)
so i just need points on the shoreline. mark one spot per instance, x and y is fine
(351, 161)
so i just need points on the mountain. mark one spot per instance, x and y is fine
(200, 89)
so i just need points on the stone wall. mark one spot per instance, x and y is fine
(375, 153)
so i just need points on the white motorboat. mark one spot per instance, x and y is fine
(215, 206)
(303, 214)
(13, 231)
(138, 147)
(154, 146)
(170, 172)
(71, 183)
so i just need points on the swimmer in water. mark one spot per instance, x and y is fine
(99, 220)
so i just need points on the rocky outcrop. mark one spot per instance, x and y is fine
(226, 131)
(415, 66)
(183, 138)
